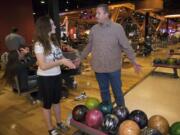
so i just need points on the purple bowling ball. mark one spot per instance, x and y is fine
(139, 117)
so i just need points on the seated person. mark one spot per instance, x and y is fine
(18, 65)
(27, 58)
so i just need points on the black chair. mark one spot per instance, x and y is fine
(27, 92)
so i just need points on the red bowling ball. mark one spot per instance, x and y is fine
(94, 118)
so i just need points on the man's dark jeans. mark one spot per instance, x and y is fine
(113, 78)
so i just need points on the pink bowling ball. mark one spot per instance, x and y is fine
(94, 118)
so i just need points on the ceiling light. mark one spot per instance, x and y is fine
(172, 16)
(42, 2)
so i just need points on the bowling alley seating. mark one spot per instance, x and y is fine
(24, 92)
(27, 93)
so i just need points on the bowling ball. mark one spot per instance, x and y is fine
(178, 62)
(157, 61)
(160, 123)
(121, 112)
(94, 118)
(164, 61)
(105, 108)
(79, 113)
(129, 127)
(92, 103)
(150, 131)
(139, 117)
(171, 61)
(110, 124)
(175, 129)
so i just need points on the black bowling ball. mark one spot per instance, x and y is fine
(139, 117)
(79, 113)
(121, 112)
(110, 124)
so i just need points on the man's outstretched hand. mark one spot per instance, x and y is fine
(137, 68)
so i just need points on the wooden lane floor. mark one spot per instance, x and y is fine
(19, 117)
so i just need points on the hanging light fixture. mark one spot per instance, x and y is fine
(42, 2)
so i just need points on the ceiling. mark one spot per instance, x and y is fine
(40, 7)
(76, 4)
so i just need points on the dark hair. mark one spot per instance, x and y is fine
(14, 30)
(104, 7)
(22, 46)
(11, 67)
(43, 27)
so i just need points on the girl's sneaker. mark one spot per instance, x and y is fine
(81, 96)
(62, 127)
(53, 132)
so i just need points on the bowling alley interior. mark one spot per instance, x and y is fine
(122, 84)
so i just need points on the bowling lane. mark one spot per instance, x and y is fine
(156, 95)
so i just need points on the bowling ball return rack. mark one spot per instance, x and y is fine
(174, 67)
(83, 129)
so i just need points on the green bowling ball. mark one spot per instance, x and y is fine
(171, 61)
(175, 129)
(92, 103)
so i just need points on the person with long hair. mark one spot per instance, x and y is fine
(11, 65)
(18, 66)
(49, 58)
